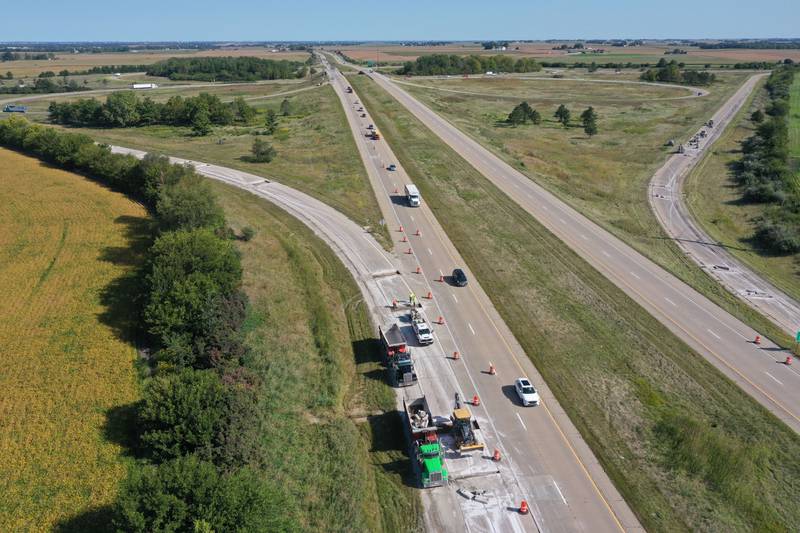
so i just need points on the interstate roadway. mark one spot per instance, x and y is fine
(721, 338)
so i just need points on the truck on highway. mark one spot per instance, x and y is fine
(401, 370)
(421, 328)
(13, 108)
(348, 89)
(144, 86)
(393, 342)
(428, 453)
(412, 195)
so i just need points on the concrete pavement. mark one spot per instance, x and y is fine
(549, 463)
(666, 199)
(723, 340)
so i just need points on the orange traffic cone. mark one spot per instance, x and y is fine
(441, 320)
(401, 229)
(456, 355)
(475, 400)
(492, 370)
(404, 239)
(429, 296)
(788, 359)
(409, 251)
(418, 233)
(394, 302)
(396, 191)
(523, 507)
(758, 339)
(441, 279)
(496, 456)
(419, 270)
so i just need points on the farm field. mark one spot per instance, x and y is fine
(650, 53)
(329, 430)
(68, 248)
(331, 171)
(715, 202)
(667, 427)
(85, 61)
(606, 176)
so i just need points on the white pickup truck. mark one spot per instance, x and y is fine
(421, 328)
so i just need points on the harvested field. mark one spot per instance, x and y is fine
(68, 247)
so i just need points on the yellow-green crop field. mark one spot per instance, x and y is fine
(68, 247)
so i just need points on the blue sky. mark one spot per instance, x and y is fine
(143, 20)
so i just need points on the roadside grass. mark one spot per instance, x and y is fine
(329, 429)
(69, 251)
(716, 203)
(605, 177)
(316, 152)
(686, 447)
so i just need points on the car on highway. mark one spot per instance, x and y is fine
(459, 278)
(392, 167)
(527, 392)
(363, 115)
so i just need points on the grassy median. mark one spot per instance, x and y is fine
(686, 447)
(605, 177)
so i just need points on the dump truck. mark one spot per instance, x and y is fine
(393, 342)
(421, 328)
(401, 370)
(465, 430)
(428, 453)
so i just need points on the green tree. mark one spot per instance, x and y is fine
(201, 123)
(262, 151)
(176, 495)
(589, 121)
(535, 117)
(9, 75)
(182, 413)
(757, 116)
(286, 107)
(517, 116)
(563, 115)
(188, 204)
(120, 110)
(189, 273)
(244, 111)
(271, 121)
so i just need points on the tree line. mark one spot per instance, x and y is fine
(125, 109)
(42, 86)
(524, 113)
(670, 72)
(8, 55)
(438, 64)
(764, 173)
(227, 69)
(196, 424)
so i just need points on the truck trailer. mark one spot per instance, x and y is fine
(412, 195)
(428, 453)
(393, 342)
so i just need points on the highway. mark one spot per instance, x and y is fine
(666, 199)
(545, 460)
(722, 339)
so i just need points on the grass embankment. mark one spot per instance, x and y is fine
(605, 177)
(68, 248)
(794, 121)
(716, 202)
(316, 152)
(686, 447)
(328, 426)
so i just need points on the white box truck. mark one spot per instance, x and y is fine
(412, 195)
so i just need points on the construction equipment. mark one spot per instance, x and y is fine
(376, 136)
(428, 453)
(401, 370)
(465, 429)
(421, 328)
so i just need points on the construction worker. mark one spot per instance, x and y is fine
(412, 298)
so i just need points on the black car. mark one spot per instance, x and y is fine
(459, 278)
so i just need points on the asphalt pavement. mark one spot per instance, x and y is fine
(722, 339)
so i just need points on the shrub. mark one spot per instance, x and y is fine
(188, 204)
